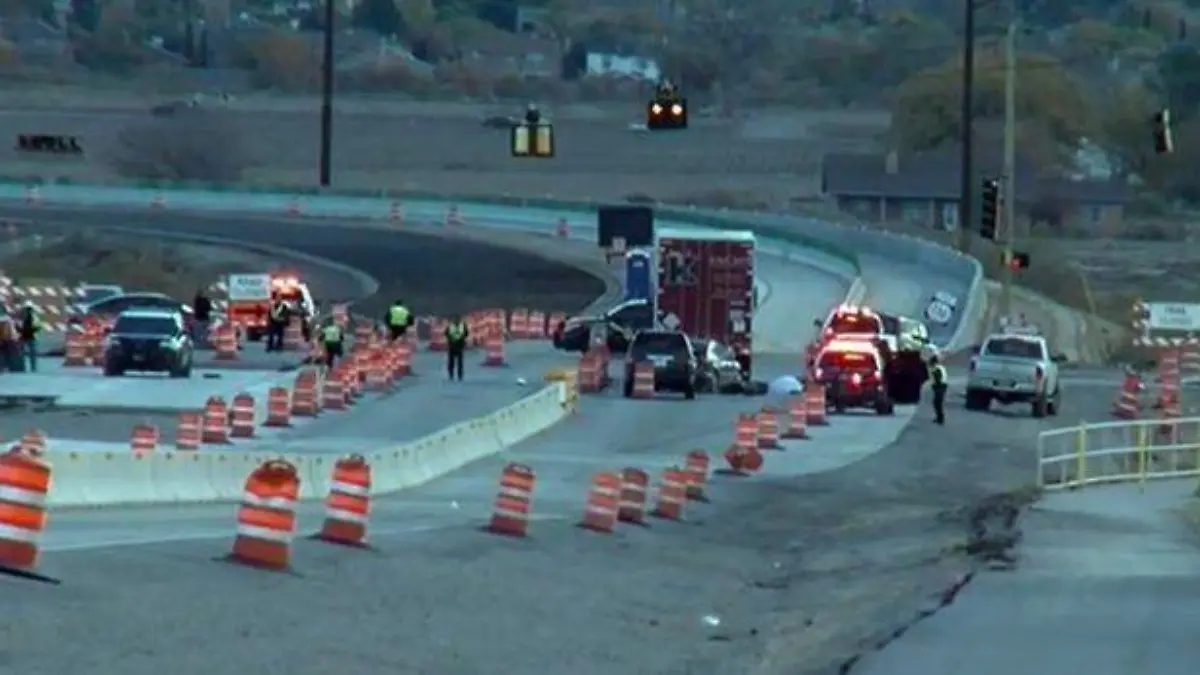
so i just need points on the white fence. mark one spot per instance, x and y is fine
(1118, 452)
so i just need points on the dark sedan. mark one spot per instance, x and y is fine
(148, 340)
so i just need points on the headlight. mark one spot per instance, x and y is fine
(656, 109)
(676, 110)
(167, 344)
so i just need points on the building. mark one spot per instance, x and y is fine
(923, 189)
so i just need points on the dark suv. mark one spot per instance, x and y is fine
(148, 340)
(675, 365)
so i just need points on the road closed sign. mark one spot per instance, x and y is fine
(249, 287)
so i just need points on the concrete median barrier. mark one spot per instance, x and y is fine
(93, 479)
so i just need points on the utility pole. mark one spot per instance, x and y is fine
(326, 168)
(1009, 200)
(966, 209)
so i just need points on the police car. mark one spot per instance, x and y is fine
(148, 340)
(852, 372)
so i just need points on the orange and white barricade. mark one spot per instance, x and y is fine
(189, 432)
(696, 466)
(742, 460)
(379, 372)
(143, 439)
(348, 504)
(241, 416)
(306, 395)
(24, 486)
(510, 514)
(797, 424)
(745, 431)
(816, 412)
(518, 324)
(1128, 405)
(77, 349)
(493, 349)
(215, 425)
(672, 494)
(293, 336)
(604, 496)
(279, 407)
(334, 395)
(266, 518)
(402, 359)
(225, 342)
(635, 483)
(768, 429)
(535, 327)
(643, 380)
(33, 442)
(591, 374)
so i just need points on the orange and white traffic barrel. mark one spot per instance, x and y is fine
(241, 416)
(188, 433)
(215, 425)
(797, 424)
(604, 495)
(33, 442)
(333, 392)
(24, 486)
(510, 513)
(266, 518)
(696, 467)
(745, 432)
(348, 504)
(143, 439)
(768, 429)
(672, 494)
(306, 397)
(815, 405)
(279, 407)
(634, 486)
(493, 349)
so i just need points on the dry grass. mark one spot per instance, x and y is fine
(133, 264)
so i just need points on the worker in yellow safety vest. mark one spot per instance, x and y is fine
(398, 319)
(457, 335)
(278, 317)
(939, 384)
(333, 343)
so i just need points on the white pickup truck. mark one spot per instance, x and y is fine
(1015, 368)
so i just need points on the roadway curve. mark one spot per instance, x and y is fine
(799, 571)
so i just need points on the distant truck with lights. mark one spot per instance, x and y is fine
(705, 286)
(250, 296)
(901, 341)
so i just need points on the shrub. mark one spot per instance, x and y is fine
(192, 145)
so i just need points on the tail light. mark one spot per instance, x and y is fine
(818, 373)
(856, 379)
(877, 376)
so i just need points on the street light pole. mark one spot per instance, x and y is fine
(326, 160)
(967, 187)
(1010, 164)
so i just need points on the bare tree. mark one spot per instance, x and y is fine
(191, 144)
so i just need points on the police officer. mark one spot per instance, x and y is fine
(937, 374)
(277, 321)
(398, 319)
(332, 341)
(29, 326)
(457, 335)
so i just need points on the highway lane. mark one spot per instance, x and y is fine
(1106, 583)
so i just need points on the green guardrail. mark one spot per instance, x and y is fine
(547, 203)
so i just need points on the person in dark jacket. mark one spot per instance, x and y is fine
(939, 384)
(457, 336)
(277, 320)
(29, 326)
(202, 308)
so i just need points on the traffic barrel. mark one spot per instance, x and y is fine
(493, 349)
(24, 488)
(379, 371)
(33, 442)
(333, 394)
(348, 504)
(797, 424)
(241, 416)
(696, 466)
(635, 483)
(535, 327)
(510, 513)
(215, 426)
(188, 433)
(143, 439)
(518, 324)
(604, 496)
(768, 429)
(672, 494)
(402, 358)
(279, 407)
(306, 398)
(643, 380)
(745, 432)
(815, 404)
(266, 517)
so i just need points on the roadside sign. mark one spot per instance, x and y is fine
(249, 287)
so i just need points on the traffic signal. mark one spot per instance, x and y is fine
(1015, 260)
(991, 209)
(1163, 143)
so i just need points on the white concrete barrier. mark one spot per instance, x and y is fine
(82, 479)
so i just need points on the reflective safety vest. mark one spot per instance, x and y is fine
(939, 374)
(456, 331)
(278, 310)
(398, 315)
(331, 333)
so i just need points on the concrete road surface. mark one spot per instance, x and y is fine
(1106, 583)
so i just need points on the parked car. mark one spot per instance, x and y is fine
(148, 340)
(107, 309)
(675, 365)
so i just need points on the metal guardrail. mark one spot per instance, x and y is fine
(1118, 452)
